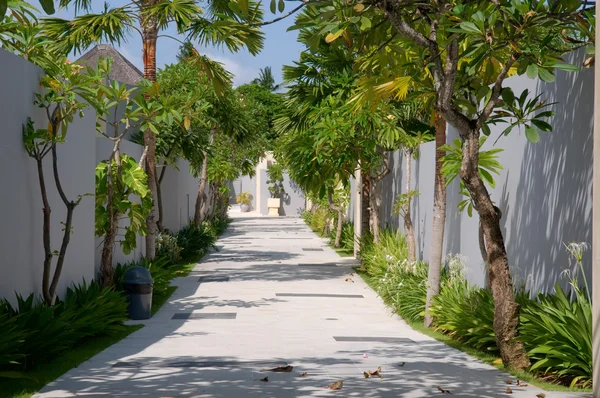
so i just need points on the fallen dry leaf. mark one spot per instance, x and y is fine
(440, 389)
(351, 274)
(349, 280)
(541, 395)
(508, 381)
(336, 386)
(401, 364)
(366, 375)
(521, 384)
(303, 374)
(266, 379)
(497, 361)
(280, 369)
(508, 390)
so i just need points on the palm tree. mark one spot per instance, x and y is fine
(220, 25)
(265, 79)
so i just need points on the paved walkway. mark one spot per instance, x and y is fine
(274, 295)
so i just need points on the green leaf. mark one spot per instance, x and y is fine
(546, 75)
(542, 125)
(243, 4)
(469, 27)
(532, 134)
(532, 71)
(48, 6)
(16, 375)
(566, 67)
(3, 8)
(281, 6)
(508, 96)
(273, 7)
(365, 23)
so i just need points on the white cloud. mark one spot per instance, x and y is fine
(242, 73)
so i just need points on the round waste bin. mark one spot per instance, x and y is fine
(137, 283)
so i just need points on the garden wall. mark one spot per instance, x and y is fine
(21, 258)
(544, 191)
(292, 202)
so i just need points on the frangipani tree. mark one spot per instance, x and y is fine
(222, 23)
(469, 49)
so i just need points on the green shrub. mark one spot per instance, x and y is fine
(35, 331)
(347, 238)
(465, 313)
(557, 332)
(167, 247)
(194, 241)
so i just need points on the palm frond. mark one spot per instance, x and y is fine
(181, 12)
(226, 32)
(216, 73)
(112, 25)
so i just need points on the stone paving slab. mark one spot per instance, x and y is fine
(331, 328)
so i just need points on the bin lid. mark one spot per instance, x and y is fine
(137, 275)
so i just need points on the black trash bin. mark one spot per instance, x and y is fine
(137, 283)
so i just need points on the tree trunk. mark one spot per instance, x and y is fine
(365, 202)
(506, 309)
(439, 219)
(46, 234)
(408, 225)
(200, 208)
(374, 210)
(149, 37)
(67, 227)
(159, 223)
(340, 219)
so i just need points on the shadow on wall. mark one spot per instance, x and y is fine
(553, 196)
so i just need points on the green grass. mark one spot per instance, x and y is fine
(343, 252)
(48, 371)
(483, 356)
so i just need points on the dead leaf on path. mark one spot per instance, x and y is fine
(508, 381)
(266, 379)
(366, 375)
(440, 389)
(541, 395)
(280, 369)
(497, 361)
(336, 386)
(401, 364)
(351, 274)
(508, 390)
(521, 384)
(349, 280)
(303, 374)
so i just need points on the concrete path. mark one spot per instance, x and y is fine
(275, 295)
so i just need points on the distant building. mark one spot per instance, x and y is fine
(122, 70)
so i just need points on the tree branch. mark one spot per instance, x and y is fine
(496, 91)
(304, 2)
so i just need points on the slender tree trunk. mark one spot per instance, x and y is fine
(46, 234)
(374, 210)
(439, 219)
(201, 198)
(408, 224)
(366, 217)
(159, 223)
(70, 205)
(149, 37)
(340, 217)
(506, 309)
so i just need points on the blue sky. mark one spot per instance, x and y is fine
(280, 48)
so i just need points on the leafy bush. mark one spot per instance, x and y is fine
(465, 313)
(557, 332)
(194, 241)
(347, 239)
(167, 247)
(34, 331)
(556, 329)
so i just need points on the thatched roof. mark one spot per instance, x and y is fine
(122, 70)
